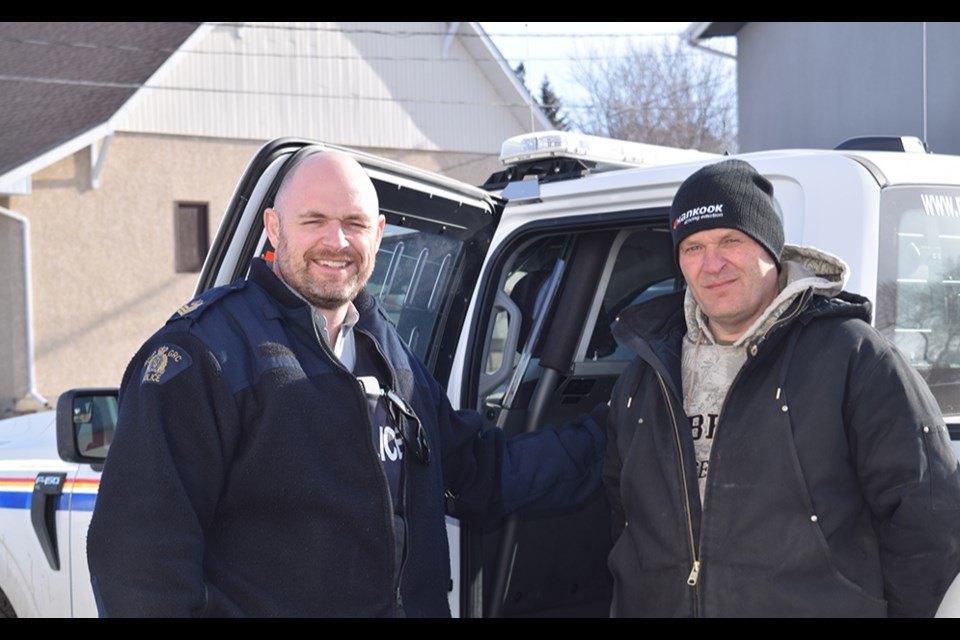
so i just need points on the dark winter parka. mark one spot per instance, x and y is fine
(244, 480)
(832, 490)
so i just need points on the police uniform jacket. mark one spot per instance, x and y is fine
(243, 478)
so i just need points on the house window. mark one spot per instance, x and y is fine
(191, 239)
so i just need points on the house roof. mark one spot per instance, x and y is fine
(66, 85)
(704, 30)
(61, 79)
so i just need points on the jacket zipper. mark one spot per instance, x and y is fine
(693, 578)
(695, 569)
(398, 596)
(325, 348)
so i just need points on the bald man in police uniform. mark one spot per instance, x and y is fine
(281, 452)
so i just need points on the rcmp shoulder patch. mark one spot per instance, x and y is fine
(164, 364)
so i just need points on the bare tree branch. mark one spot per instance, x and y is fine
(670, 95)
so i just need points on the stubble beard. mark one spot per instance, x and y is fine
(323, 295)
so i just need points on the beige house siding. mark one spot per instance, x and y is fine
(102, 259)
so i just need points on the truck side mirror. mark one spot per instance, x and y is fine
(86, 422)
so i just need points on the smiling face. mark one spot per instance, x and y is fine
(325, 229)
(731, 276)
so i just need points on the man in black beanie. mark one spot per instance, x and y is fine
(769, 453)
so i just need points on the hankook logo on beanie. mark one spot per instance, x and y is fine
(692, 215)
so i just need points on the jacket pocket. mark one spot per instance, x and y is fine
(942, 465)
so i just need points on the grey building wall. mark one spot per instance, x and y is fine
(14, 374)
(815, 84)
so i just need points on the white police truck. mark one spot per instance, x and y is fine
(508, 293)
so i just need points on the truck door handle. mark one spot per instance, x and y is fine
(43, 512)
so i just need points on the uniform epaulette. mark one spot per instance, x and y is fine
(198, 305)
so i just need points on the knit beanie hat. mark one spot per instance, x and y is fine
(727, 195)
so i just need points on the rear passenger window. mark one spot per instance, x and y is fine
(918, 284)
(411, 279)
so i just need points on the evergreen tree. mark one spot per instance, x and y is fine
(551, 105)
(521, 72)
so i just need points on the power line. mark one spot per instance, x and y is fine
(287, 94)
(442, 33)
(247, 92)
(339, 29)
(308, 56)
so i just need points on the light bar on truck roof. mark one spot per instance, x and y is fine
(565, 144)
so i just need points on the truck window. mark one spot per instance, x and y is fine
(639, 267)
(411, 279)
(644, 269)
(918, 284)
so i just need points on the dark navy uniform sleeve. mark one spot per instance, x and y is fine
(555, 468)
(489, 476)
(161, 482)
